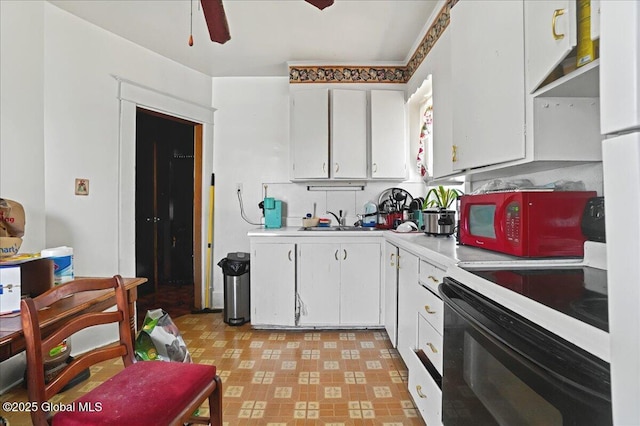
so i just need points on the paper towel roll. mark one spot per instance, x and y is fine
(62, 263)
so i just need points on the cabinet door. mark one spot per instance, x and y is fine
(273, 284)
(440, 57)
(390, 261)
(550, 34)
(487, 47)
(408, 303)
(319, 283)
(349, 134)
(310, 134)
(620, 66)
(388, 141)
(360, 284)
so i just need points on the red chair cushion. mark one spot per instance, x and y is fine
(149, 392)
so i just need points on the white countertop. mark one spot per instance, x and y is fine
(296, 231)
(442, 250)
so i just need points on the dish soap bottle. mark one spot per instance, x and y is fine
(370, 218)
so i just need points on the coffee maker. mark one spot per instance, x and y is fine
(272, 213)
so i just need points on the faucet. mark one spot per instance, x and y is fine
(341, 220)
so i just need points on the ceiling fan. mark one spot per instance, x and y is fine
(217, 21)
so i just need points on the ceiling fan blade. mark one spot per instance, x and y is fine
(216, 20)
(320, 4)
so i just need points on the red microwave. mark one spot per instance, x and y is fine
(525, 223)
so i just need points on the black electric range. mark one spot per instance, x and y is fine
(577, 291)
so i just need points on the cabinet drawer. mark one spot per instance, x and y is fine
(430, 275)
(430, 341)
(426, 394)
(432, 310)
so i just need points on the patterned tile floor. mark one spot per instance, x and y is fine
(282, 378)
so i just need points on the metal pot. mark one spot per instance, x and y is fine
(439, 222)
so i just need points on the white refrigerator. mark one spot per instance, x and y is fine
(620, 125)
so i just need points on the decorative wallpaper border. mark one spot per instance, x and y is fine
(375, 74)
(347, 74)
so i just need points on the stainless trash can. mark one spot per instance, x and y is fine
(235, 268)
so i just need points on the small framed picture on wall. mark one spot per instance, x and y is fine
(82, 186)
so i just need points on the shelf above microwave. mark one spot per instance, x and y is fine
(581, 83)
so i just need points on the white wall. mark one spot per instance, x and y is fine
(251, 142)
(22, 130)
(22, 114)
(60, 121)
(82, 130)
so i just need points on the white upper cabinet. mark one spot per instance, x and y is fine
(388, 140)
(487, 47)
(310, 134)
(349, 134)
(620, 78)
(551, 33)
(328, 142)
(439, 60)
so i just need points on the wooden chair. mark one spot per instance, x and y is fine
(149, 392)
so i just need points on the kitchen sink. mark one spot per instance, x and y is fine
(337, 228)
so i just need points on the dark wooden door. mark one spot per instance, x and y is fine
(164, 201)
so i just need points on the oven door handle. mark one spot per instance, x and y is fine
(535, 366)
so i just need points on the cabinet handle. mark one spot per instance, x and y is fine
(432, 278)
(398, 261)
(556, 13)
(324, 167)
(428, 309)
(391, 259)
(336, 254)
(289, 255)
(419, 390)
(337, 167)
(345, 254)
(375, 167)
(454, 153)
(433, 348)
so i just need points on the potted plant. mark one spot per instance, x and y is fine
(436, 217)
(440, 198)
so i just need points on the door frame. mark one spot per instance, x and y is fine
(132, 96)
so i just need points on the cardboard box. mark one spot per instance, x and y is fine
(587, 48)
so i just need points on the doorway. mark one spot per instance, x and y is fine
(167, 226)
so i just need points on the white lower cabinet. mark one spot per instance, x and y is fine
(425, 392)
(318, 284)
(339, 284)
(273, 280)
(433, 311)
(390, 311)
(420, 330)
(430, 342)
(360, 284)
(408, 302)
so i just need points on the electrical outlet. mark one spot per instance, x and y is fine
(239, 187)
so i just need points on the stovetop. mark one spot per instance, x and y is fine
(577, 291)
(566, 296)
